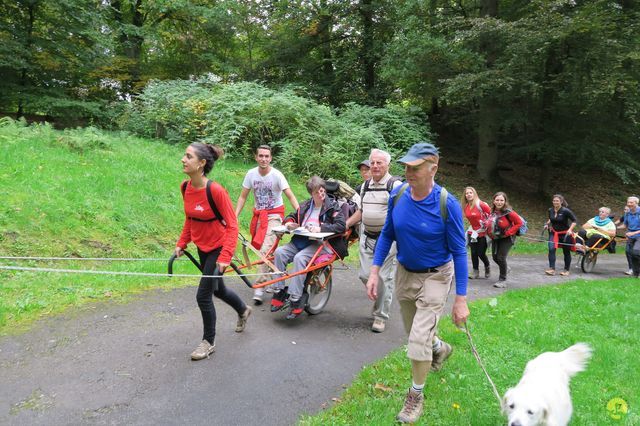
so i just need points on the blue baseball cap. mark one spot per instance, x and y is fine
(418, 153)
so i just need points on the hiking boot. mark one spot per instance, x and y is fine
(565, 273)
(279, 299)
(378, 325)
(242, 319)
(203, 350)
(297, 307)
(501, 284)
(550, 272)
(412, 409)
(257, 296)
(487, 272)
(475, 274)
(441, 356)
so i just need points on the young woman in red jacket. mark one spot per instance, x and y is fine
(215, 239)
(504, 224)
(476, 212)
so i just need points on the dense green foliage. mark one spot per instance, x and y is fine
(508, 332)
(545, 83)
(241, 116)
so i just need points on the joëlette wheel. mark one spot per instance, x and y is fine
(589, 261)
(318, 286)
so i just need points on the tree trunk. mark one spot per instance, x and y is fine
(130, 45)
(488, 117)
(24, 80)
(324, 37)
(368, 54)
(488, 125)
(552, 66)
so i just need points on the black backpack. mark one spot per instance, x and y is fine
(389, 188)
(336, 189)
(212, 204)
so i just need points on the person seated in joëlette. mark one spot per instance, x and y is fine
(597, 232)
(317, 214)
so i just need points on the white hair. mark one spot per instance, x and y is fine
(634, 198)
(385, 154)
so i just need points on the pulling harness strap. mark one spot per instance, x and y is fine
(212, 204)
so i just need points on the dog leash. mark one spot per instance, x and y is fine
(477, 355)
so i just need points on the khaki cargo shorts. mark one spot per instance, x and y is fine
(422, 297)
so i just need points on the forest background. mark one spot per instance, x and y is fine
(535, 96)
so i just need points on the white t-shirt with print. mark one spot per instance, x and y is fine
(267, 190)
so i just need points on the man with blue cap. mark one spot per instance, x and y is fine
(426, 224)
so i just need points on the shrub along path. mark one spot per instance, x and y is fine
(129, 363)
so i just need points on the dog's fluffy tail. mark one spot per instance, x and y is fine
(575, 358)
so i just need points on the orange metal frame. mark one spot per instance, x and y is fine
(310, 266)
(597, 249)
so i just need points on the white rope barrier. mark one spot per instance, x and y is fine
(136, 274)
(107, 259)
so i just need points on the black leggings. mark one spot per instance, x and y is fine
(565, 241)
(500, 249)
(592, 240)
(478, 252)
(205, 293)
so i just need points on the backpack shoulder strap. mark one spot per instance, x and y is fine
(183, 187)
(364, 188)
(391, 181)
(212, 204)
(399, 193)
(444, 212)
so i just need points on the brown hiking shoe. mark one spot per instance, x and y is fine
(242, 320)
(441, 356)
(378, 325)
(412, 409)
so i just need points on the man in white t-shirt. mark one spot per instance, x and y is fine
(267, 184)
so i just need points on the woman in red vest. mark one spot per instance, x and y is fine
(215, 234)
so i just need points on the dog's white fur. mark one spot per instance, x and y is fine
(542, 398)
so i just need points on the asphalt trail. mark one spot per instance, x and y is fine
(129, 363)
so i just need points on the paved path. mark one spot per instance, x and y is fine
(129, 364)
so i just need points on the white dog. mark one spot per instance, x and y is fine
(541, 398)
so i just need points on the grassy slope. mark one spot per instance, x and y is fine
(521, 325)
(91, 194)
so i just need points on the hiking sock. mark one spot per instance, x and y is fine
(437, 344)
(417, 388)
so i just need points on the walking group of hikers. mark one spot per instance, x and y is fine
(500, 224)
(411, 238)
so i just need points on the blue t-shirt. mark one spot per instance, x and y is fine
(422, 239)
(632, 221)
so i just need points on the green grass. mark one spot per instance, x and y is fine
(90, 193)
(509, 331)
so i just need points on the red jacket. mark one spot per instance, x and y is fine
(508, 222)
(477, 216)
(208, 236)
